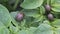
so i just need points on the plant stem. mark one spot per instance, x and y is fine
(48, 2)
(15, 5)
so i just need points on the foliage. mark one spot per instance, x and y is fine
(35, 17)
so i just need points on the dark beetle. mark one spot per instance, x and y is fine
(19, 16)
(50, 17)
(47, 7)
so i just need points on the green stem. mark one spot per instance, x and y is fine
(48, 2)
(15, 5)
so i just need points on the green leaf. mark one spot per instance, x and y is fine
(56, 23)
(52, 1)
(55, 1)
(13, 29)
(13, 15)
(31, 13)
(29, 21)
(31, 4)
(46, 22)
(5, 16)
(44, 29)
(1, 25)
(56, 14)
(56, 8)
(55, 5)
(30, 30)
(23, 23)
(3, 29)
(57, 31)
(41, 18)
(42, 10)
(22, 32)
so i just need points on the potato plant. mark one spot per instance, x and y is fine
(29, 16)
